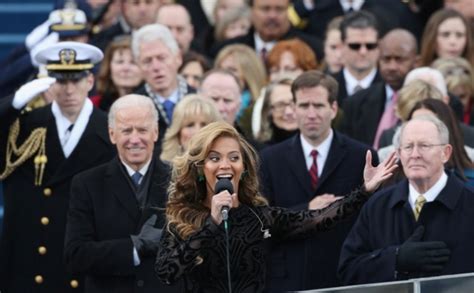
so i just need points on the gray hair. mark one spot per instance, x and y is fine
(440, 126)
(132, 100)
(430, 75)
(150, 33)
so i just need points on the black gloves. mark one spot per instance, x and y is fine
(146, 243)
(415, 256)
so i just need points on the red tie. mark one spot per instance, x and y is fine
(313, 171)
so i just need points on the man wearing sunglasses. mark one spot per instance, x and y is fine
(369, 112)
(360, 36)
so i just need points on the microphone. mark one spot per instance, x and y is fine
(221, 185)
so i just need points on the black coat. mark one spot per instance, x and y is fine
(387, 220)
(103, 214)
(162, 124)
(342, 90)
(313, 42)
(36, 215)
(362, 113)
(312, 263)
(389, 14)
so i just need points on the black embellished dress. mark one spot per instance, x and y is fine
(249, 244)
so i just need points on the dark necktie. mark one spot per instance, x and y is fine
(313, 171)
(136, 178)
(169, 107)
(67, 135)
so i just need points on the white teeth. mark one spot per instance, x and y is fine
(228, 176)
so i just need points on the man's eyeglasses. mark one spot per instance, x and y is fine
(281, 106)
(422, 147)
(357, 46)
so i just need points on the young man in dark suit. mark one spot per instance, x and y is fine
(310, 171)
(44, 149)
(117, 209)
(363, 112)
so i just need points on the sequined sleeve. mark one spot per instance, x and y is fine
(286, 223)
(177, 256)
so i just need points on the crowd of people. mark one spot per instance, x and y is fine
(237, 145)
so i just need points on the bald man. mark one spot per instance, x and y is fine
(364, 111)
(178, 20)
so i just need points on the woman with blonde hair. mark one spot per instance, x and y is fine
(195, 242)
(409, 95)
(233, 23)
(459, 78)
(190, 115)
(242, 61)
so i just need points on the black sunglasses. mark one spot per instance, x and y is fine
(357, 46)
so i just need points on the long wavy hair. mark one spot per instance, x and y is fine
(186, 209)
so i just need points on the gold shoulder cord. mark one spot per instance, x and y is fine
(34, 144)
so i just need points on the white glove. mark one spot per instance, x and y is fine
(30, 90)
(37, 34)
(52, 38)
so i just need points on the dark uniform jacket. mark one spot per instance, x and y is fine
(104, 212)
(362, 113)
(312, 263)
(31, 257)
(387, 220)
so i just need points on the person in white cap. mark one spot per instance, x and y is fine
(44, 148)
(67, 24)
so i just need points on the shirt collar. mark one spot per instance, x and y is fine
(352, 82)
(356, 5)
(429, 195)
(260, 44)
(322, 148)
(142, 171)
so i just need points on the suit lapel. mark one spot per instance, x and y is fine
(157, 193)
(337, 153)
(84, 153)
(297, 163)
(119, 187)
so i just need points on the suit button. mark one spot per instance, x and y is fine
(44, 221)
(38, 279)
(140, 283)
(47, 192)
(42, 250)
(74, 284)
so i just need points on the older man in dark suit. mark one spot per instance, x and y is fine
(309, 171)
(115, 216)
(420, 227)
(44, 149)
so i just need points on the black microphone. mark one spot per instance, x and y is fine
(221, 185)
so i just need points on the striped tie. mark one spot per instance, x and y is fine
(420, 201)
